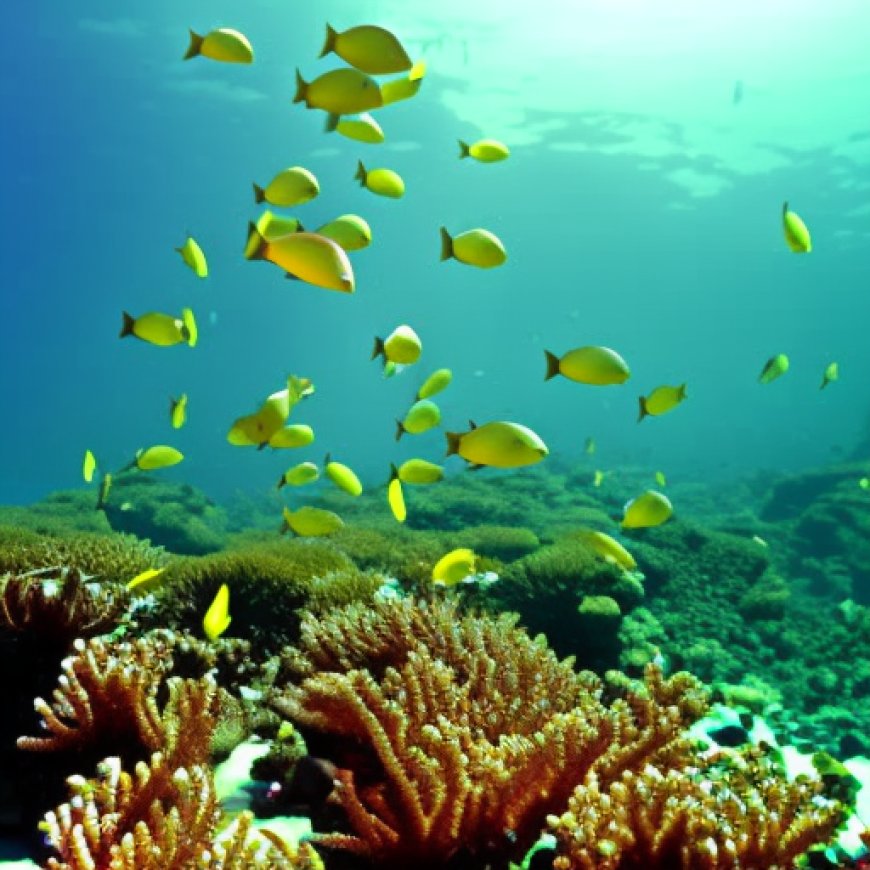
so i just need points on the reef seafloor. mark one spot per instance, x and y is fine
(703, 705)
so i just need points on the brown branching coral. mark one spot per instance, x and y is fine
(470, 732)
(690, 818)
(159, 818)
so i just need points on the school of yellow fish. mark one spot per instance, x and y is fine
(347, 96)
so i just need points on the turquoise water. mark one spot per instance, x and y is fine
(640, 209)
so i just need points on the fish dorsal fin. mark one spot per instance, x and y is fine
(472, 424)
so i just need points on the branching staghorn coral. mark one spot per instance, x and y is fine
(158, 818)
(652, 819)
(469, 733)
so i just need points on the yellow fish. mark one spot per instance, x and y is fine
(649, 509)
(217, 618)
(401, 346)
(436, 382)
(383, 182)
(660, 478)
(832, 373)
(296, 435)
(396, 499)
(590, 447)
(404, 87)
(349, 231)
(255, 430)
(774, 368)
(454, 567)
(189, 328)
(598, 478)
(609, 549)
(158, 456)
(499, 444)
(105, 489)
(361, 128)
(89, 466)
(484, 150)
(298, 389)
(290, 187)
(194, 257)
(418, 472)
(369, 48)
(598, 366)
(163, 330)
(299, 475)
(342, 476)
(224, 44)
(660, 401)
(311, 522)
(307, 256)
(178, 411)
(272, 226)
(145, 582)
(339, 92)
(474, 248)
(797, 236)
(421, 417)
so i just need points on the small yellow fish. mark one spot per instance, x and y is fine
(298, 389)
(224, 44)
(436, 382)
(105, 489)
(295, 435)
(832, 373)
(163, 330)
(484, 150)
(391, 369)
(598, 366)
(361, 128)
(178, 411)
(598, 478)
(774, 368)
(590, 447)
(342, 476)
(421, 417)
(418, 472)
(290, 187)
(476, 247)
(609, 549)
(272, 226)
(454, 567)
(307, 256)
(499, 444)
(217, 618)
(255, 430)
(404, 87)
(649, 509)
(89, 466)
(158, 456)
(300, 475)
(349, 231)
(369, 48)
(383, 182)
(311, 522)
(660, 401)
(339, 92)
(797, 236)
(194, 257)
(145, 582)
(660, 478)
(401, 346)
(396, 499)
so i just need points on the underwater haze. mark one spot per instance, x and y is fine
(652, 147)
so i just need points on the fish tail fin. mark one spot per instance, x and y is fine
(682, 392)
(281, 482)
(785, 208)
(360, 173)
(552, 365)
(464, 149)
(331, 121)
(301, 88)
(394, 472)
(400, 430)
(446, 244)
(255, 247)
(195, 46)
(452, 442)
(329, 44)
(378, 349)
(259, 194)
(643, 411)
(127, 325)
